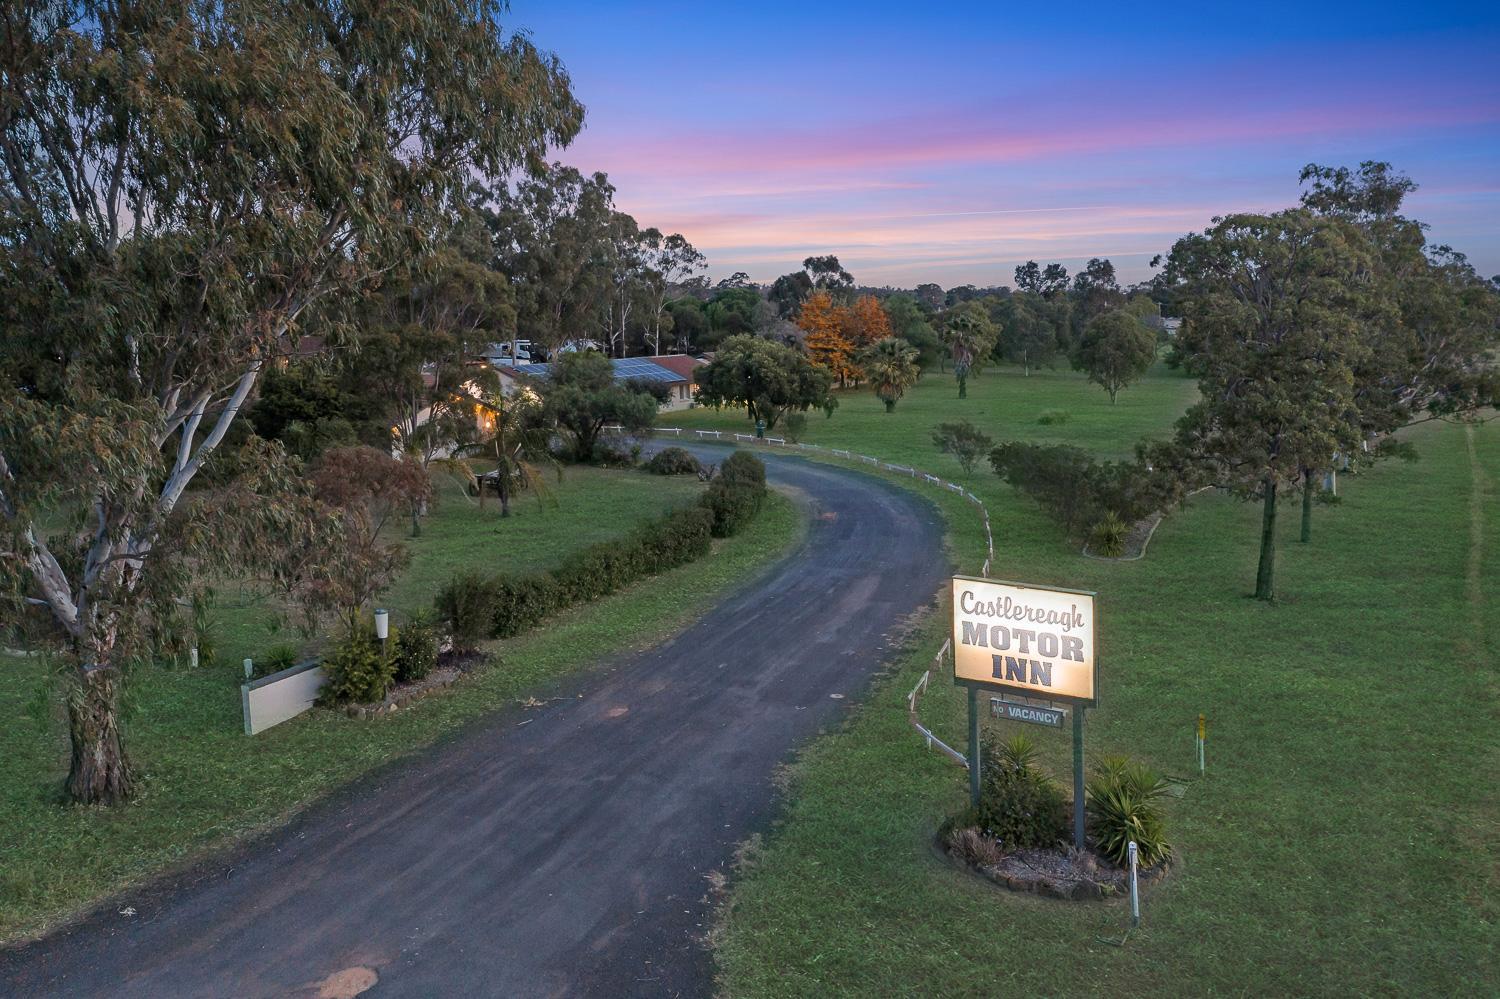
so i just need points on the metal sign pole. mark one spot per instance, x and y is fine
(974, 746)
(1078, 776)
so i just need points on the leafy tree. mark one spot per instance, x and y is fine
(868, 322)
(1115, 350)
(670, 261)
(964, 441)
(1428, 322)
(827, 346)
(581, 397)
(891, 367)
(689, 325)
(365, 487)
(911, 322)
(184, 189)
(623, 257)
(1271, 305)
(931, 296)
(421, 333)
(1048, 281)
(789, 291)
(550, 232)
(304, 406)
(732, 311)
(1026, 335)
(828, 275)
(768, 379)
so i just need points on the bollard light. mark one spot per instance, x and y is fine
(382, 624)
(249, 668)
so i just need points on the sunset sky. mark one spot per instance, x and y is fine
(947, 141)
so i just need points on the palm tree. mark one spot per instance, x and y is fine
(964, 338)
(892, 368)
(518, 441)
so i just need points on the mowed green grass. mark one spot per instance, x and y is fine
(1002, 401)
(204, 782)
(1346, 838)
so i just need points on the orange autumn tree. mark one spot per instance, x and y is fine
(827, 345)
(868, 322)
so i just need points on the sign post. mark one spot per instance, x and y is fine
(974, 764)
(1032, 640)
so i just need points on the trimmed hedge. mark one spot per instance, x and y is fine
(504, 606)
(673, 461)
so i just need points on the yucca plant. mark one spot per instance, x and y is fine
(1124, 799)
(1108, 536)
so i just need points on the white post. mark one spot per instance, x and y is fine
(249, 668)
(1135, 891)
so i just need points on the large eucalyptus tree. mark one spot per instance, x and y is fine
(184, 187)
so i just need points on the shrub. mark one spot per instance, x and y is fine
(466, 605)
(1052, 417)
(1124, 804)
(793, 426)
(610, 454)
(522, 601)
(673, 461)
(1078, 491)
(744, 468)
(357, 668)
(964, 441)
(503, 606)
(1019, 805)
(1108, 536)
(275, 659)
(415, 648)
(973, 846)
(732, 506)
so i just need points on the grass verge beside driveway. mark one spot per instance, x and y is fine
(204, 782)
(1342, 843)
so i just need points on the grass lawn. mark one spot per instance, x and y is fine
(204, 782)
(1347, 837)
(1004, 403)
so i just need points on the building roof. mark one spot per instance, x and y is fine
(626, 368)
(680, 364)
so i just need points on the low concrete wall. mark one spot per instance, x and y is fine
(273, 699)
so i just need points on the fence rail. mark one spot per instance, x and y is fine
(912, 699)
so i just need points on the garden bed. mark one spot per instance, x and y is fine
(452, 667)
(1069, 874)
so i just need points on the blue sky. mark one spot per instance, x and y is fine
(948, 142)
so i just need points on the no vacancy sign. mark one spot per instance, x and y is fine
(1035, 640)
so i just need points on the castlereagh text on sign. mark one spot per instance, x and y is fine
(1025, 638)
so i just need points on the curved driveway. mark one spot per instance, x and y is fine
(568, 850)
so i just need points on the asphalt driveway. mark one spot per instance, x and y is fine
(567, 850)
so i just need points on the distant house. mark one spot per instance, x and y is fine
(673, 370)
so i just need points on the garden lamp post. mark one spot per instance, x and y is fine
(382, 626)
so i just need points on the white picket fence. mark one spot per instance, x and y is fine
(913, 698)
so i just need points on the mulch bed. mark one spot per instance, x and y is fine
(1074, 875)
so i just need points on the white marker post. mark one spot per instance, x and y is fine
(1202, 739)
(249, 668)
(1135, 890)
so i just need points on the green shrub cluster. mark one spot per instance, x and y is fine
(359, 671)
(1020, 806)
(278, 657)
(734, 496)
(414, 648)
(466, 605)
(1078, 491)
(476, 606)
(1124, 804)
(1052, 417)
(673, 461)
